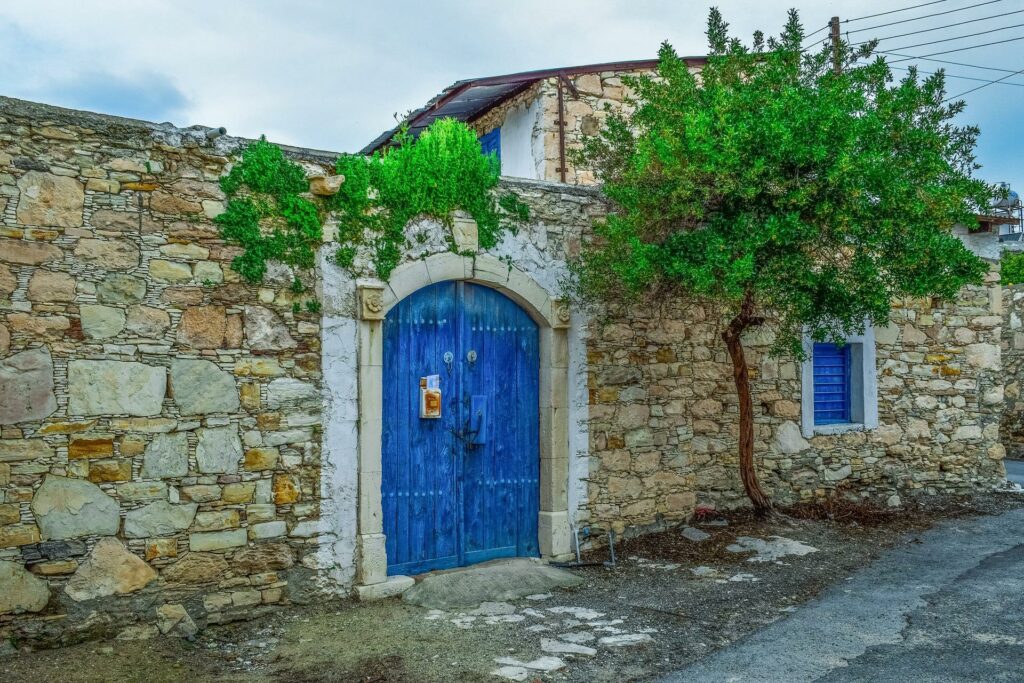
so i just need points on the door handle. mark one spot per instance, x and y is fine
(478, 419)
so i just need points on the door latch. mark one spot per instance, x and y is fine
(448, 358)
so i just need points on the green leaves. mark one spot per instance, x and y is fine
(823, 196)
(270, 221)
(440, 172)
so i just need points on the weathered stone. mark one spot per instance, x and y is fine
(837, 474)
(982, 356)
(26, 386)
(70, 508)
(169, 271)
(47, 286)
(109, 254)
(161, 547)
(217, 540)
(8, 281)
(91, 446)
(166, 456)
(288, 391)
(217, 520)
(123, 221)
(202, 327)
(146, 321)
(17, 535)
(325, 186)
(159, 519)
(55, 568)
(20, 591)
(187, 251)
(200, 387)
(118, 288)
(50, 200)
(274, 529)
(203, 493)
(261, 459)
(101, 322)
(60, 550)
(269, 557)
(208, 273)
(219, 450)
(106, 387)
(789, 439)
(264, 330)
(5, 340)
(27, 253)
(165, 202)
(12, 450)
(50, 326)
(196, 568)
(109, 570)
(110, 470)
(174, 620)
(241, 492)
(286, 489)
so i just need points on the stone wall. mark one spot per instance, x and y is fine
(159, 418)
(1012, 428)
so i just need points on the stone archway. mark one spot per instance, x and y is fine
(553, 318)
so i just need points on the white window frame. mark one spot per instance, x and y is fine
(863, 389)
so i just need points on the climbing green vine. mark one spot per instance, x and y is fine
(436, 174)
(265, 213)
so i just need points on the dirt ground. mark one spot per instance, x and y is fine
(666, 613)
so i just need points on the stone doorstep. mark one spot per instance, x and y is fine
(392, 587)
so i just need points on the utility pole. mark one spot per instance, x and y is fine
(837, 67)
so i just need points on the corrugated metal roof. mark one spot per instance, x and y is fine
(469, 99)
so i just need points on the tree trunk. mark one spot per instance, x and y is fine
(748, 474)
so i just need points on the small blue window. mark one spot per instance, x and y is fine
(831, 384)
(491, 143)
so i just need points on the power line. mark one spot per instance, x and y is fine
(823, 28)
(939, 28)
(969, 47)
(967, 92)
(966, 35)
(966, 78)
(945, 61)
(902, 9)
(926, 16)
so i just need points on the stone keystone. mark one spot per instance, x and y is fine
(69, 508)
(110, 570)
(26, 386)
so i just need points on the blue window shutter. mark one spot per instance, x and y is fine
(491, 143)
(831, 384)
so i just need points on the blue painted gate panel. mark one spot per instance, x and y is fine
(463, 488)
(831, 383)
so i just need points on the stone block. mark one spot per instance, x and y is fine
(169, 271)
(26, 387)
(103, 387)
(89, 446)
(118, 288)
(217, 540)
(202, 327)
(159, 519)
(166, 456)
(70, 508)
(142, 490)
(109, 570)
(101, 322)
(264, 330)
(25, 253)
(286, 489)
(217, 520)
(50, 200)
(200, 387)
(219, 450)
(51, 287)
(390, 588)
(257, 459)
(241, 492)
(17, 535)
(20, 591)
(161, 547)
(109, 254)
(268, 530)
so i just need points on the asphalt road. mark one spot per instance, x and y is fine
(947, 607)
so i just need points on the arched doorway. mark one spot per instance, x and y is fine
(460, 478)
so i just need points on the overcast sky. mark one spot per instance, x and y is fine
(331, 75)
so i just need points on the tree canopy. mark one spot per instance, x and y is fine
(776, 183)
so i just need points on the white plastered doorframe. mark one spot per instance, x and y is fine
(552, 317)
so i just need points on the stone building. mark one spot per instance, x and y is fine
(534, 119)
(177, 445)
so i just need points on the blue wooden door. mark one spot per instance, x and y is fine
(462, 488)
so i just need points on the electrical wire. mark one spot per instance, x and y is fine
(945, 61)
(938, 28)
(966, 78)
(969, 47)
(823, 28)
(926, 16)
(902, 9)
(966, 35)
(968, 92)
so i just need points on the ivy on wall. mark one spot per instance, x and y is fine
(266, 215)
(440, 172)
(437, 174)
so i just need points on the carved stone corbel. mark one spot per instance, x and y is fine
(562, 314)
(371, 302)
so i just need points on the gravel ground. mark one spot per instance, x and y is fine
(658, 612)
